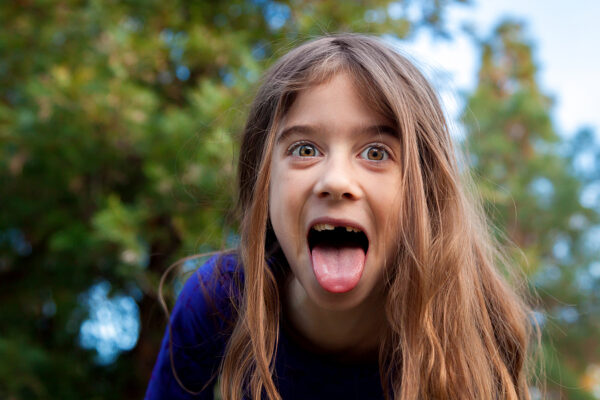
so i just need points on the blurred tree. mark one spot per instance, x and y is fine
(118, 123)
(532, 190)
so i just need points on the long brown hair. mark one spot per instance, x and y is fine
(455, 329)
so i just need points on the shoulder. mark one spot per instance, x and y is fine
(218, 276)
(197, 332)
(209, 295)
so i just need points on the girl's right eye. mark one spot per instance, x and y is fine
(304, 150)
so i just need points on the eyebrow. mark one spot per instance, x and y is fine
(312, 130)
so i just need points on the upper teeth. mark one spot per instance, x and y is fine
(329, 227)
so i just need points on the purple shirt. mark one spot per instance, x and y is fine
(200, 327)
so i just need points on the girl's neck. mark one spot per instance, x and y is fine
(354, 332)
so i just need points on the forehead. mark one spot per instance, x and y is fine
(336, 103)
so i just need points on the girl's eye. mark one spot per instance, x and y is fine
(375, 153)
(304, 150)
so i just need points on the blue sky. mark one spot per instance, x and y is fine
(567, 39)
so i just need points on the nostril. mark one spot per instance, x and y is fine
(323, 194)
(336, 196)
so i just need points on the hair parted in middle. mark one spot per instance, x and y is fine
(455, 329)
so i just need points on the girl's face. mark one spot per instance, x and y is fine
(334, 195)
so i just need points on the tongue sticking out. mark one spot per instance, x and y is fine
(338, 269)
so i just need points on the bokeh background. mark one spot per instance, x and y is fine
(119, 128)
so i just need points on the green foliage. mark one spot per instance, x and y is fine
(119, 122)
(532, 190)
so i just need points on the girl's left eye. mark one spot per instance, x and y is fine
(375, 153)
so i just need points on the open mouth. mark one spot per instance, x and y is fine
(337, 236)
(338, 255)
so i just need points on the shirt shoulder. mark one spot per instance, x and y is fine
(209, 297)
(197, 333)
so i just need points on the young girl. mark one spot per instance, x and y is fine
(364, 271)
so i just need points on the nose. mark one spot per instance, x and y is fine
(338, 181)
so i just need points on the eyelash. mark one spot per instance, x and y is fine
(295, 148)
